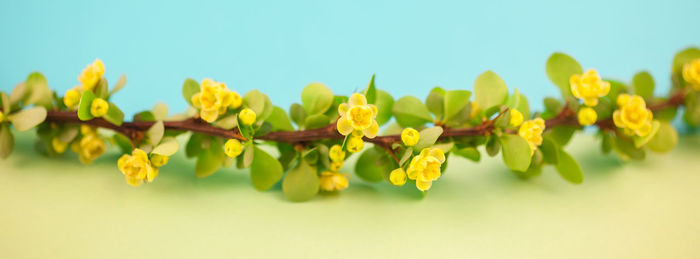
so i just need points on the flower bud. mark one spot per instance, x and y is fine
(587, 116)
(233, 148)
(410, 137)
(398, 177)
(355, 144)
(247, 116)
(516, 118)
(159, 160)
(99, 107)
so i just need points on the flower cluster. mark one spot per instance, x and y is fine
(691, 73)
(589, 87)
(332, 180)
(91, 74)
(215, 99)
(425, 167)
(357, 117)
(532, 132)
(88, 148)
(88, 78)
(137, 167)
(632, 115)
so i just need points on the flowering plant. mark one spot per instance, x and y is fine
(313, 139)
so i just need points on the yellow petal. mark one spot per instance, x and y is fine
(133, 181)
(344, 126)
(152, 174)
(424, 185)
(591, 102)
(617, 118)
(438, 154)
(371, 132)
(623, 99)
(357, 99)
(343, 109)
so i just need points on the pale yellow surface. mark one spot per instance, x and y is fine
(57, 208)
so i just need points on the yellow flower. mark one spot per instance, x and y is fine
(587, 116)
(159, 160)
(357, 115)
(398, 177)
(91, 75)
(136, 167)
(425, 167)
(410, 137)
(2, 116)
(58, 145)
(247, 116)
(236, 100)
(355, 144)
(214, 99)
(516, 118)
(532, 132)
(589, 87)
(87, 129)
(99, 107)
(90, 148)
(333, 181)
(335, 166)
(691, 73)
(633, 115)
(71, 98)
(336, 153)
(233, 148)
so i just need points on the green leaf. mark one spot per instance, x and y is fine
(279, 120)
(122, 142)
(160, 111)
(371, 91)
(167, 147)
(489, 90)
(228, 122)
(28, 118)
(616, 87)
(561, 134)
(155, 133)
(101, 89)
(373, 164)
(550, 151)
(84, 106)
(560, 67)
(643, 84)
(255, 100)
(641, 141)
(301, 183)
(317, 121)
(428, 137)
(455, 101)
(665, 139)
(194, 145)
(316, 98)
(5, 103)
(298, 114)
(248, 156)
(189, 88)
(692, 108)
(409, 111)
(145, 116)
(121, 82)
(625, 148)
(493, 146)
(470, 153)
(7, 141)
(209, 160)
(519, 102)
(384, 105)
(683, 57)
(37, 91)
(436, 102)
(516, 152)
(406, 155)
(568, 168)
(114, 114)
(265, 170)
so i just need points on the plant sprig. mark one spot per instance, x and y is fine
(315, 137)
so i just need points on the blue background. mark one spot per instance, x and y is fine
(279, 47)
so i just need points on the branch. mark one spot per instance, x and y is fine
(136, 130)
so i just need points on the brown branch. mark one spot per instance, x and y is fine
(136, 130)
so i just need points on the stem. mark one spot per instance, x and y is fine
(136, 130)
